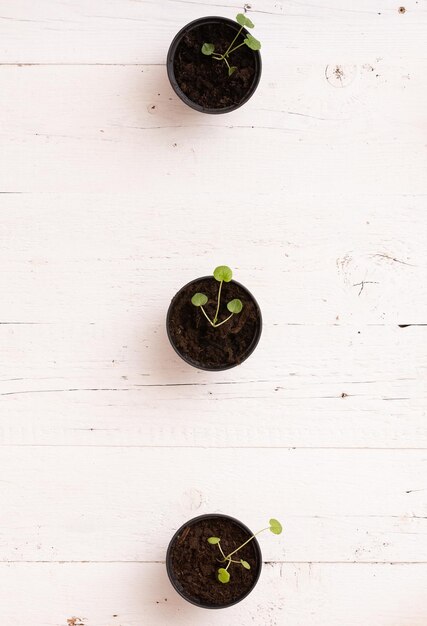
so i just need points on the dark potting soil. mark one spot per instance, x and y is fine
(197, 340)
(205, 80)
(195, 562)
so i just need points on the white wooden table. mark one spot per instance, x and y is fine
(112, 195)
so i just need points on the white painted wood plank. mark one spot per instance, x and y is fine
(106, 129)
(104, 31)
(164, 418)
(123, 504)
(111, 259)
(140, 594)
(121, 384)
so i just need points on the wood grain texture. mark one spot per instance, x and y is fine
(113, 195)
(139, 31)
(120, 258)
(115, 384)
(129, 594)
(123, 504)
(97, 128)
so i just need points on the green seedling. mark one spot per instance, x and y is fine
(222, 274)
(223, 574)
(208, 49)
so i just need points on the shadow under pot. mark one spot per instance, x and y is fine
(201, 345)
(204, 83)
(192, 562)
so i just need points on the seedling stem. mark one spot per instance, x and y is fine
(219, 300)
(208, 49)
(221, 274)
(223, 574)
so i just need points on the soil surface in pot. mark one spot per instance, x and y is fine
(195, 562)
(197, 340)
(206, 81)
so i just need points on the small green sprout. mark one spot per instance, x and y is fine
(214, 540)
(199, 299)
(223, 574)
(222, 274)
(208, 49)
(235, 306)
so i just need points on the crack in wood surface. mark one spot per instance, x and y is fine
(138, 387)
(392, 258)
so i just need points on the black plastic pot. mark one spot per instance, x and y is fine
(174, 579)
(171, 59)
(200, 365)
